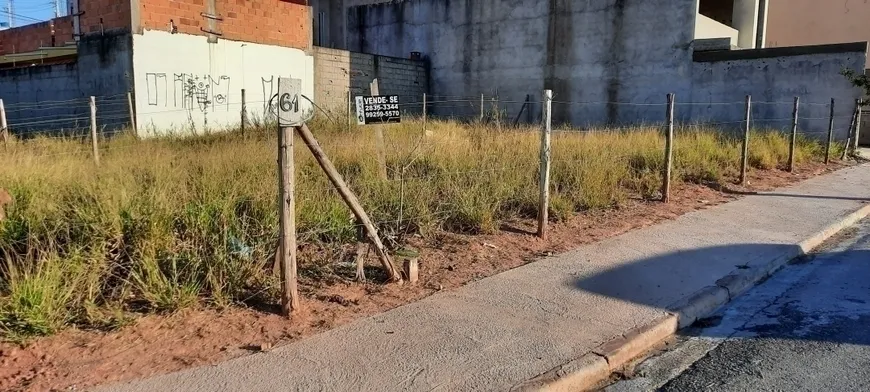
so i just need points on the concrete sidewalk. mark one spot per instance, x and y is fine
(499, 332)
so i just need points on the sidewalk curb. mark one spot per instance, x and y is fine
(596, 367)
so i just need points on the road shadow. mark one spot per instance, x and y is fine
(651, 281)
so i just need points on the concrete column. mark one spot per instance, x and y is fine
(761, 34)
(746, 20)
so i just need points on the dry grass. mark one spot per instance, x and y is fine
(170, 223)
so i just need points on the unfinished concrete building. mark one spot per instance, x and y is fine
(185, 61)
(602, 53)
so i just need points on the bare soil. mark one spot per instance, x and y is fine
(158, 344)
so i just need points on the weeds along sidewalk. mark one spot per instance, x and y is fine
(501, 331)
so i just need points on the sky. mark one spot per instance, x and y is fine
(30, 11)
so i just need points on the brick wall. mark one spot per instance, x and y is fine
(272, 22)
(114, 14)
(338, 71)
(31, 37)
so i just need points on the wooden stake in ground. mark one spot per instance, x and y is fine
(289, 115)
(830, 135)
(351, 200)
(361, 251)
(94, 142)
(132, 113)
(544, 180)
(669, 151)
(4, 128)
(793, 142)
(858, 121)
(851, 131)
(243, 120)
(349, 114)
(379, 137)
(744, 158)
(289, 293)
(481, 107)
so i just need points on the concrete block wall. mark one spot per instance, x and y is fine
(103, 69)
(338, 71)
(599, 53)
(272, 22)
(774, 77)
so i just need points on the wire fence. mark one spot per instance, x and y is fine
(462, 164)
(414, 159)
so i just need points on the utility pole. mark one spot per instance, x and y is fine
(9, 12)
(57, 8)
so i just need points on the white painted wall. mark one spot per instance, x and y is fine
(184, 85)
(706, 27)
(745, 20)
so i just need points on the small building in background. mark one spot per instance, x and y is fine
(184, 61)
(607, 61)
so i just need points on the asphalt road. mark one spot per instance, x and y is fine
(807, 328)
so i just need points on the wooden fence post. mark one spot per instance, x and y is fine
(244, 113)
(669, 151)
(481, 107)
(349, 110)
(793, 141)
(4, 127)
(544, 175)
(744, 158)
(94, 142)
(130, 106)
(287, 206)
(851, 131)
(379, 137)
(830, 134)
(351, 200)
(858, 127)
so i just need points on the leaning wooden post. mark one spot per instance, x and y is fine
(130, 106)
(669, 151)
(287, 205)
(351, 200)
(243, 120)
(830, 134)
(793, 141)
(4, 127)
(858, 127)
(851, 131)
(379, 137)
(744, 158)
(544, 175)
(94, 142)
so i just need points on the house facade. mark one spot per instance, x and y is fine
(185, 61)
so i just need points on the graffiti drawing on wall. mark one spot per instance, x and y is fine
(156, 84)
(188, 91)
(270, 89)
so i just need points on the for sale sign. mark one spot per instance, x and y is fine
(379, 109)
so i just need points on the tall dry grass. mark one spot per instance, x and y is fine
(168, 223)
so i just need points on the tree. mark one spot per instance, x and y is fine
(859, 80)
